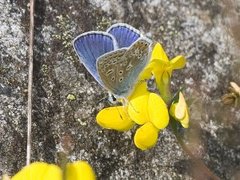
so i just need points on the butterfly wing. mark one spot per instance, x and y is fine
(128, 64)
(91, 45)
(107, 68)
(125, 34)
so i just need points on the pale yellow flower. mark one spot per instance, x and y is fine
(179, 111)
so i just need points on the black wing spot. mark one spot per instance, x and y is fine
(120, 79)
(114, 61)
(125, 63)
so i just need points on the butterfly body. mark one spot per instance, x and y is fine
(115, 58)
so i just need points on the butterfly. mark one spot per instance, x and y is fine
(115, 58)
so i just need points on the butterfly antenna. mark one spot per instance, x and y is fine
(102, 100)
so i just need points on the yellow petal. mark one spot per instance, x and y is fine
(159, 53)
(178, 62)
(140, 90)
(163, 85)
(172, 109)
(179, 111)
(115, 118)
(137, 109)
(180, 107)
(146, 73)
(185, 120)
(146, 136)
(157, 110)
(157, 65)
(39, 171)
(165, 77)
(79, 170)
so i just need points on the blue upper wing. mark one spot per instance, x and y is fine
(124, 34)
(91, 45)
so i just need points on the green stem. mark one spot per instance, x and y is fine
(62, 159)
(165, 92)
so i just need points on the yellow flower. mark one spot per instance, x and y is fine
(144, 108)
(79, 170)
(179, 111)
(149, 108)
(161, 68)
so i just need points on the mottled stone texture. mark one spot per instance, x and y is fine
(193, 28)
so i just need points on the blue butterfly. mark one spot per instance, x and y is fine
(115, 58)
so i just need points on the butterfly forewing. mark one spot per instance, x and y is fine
(91, 45)
(125, 34)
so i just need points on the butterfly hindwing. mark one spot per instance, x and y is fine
(127, 66)
(107, 68)
(134, 61)
(125, 34)
(91, 45)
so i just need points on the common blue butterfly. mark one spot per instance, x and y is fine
(115, 58)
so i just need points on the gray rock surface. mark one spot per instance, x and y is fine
(193, 28)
